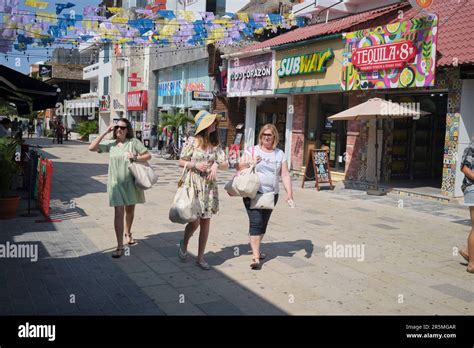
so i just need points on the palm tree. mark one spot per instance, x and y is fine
(177, 121)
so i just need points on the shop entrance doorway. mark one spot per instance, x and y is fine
(272, 110)
(418, 144)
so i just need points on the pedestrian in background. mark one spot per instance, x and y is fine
(39, 129)
(203, 155)
(60, 132)
(123, 194)
(5, 125)
(31, 129)
(467, 166)
(271, 165)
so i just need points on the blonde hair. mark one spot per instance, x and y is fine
(276, 137)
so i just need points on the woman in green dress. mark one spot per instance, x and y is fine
(203, 155)
(123, 194)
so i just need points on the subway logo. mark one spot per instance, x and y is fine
(305, 64)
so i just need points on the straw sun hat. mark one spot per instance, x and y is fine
(204, 119)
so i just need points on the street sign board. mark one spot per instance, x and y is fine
(203, 95)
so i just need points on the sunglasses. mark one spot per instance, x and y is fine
(121, 127)
(267, 135)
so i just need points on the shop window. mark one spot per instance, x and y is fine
(106, 85)
(106, 53)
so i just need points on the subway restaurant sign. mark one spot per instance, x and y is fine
(399, 55)
(305, 64)
(310, 67)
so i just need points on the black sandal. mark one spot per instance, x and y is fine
(130, 237)
(255, 264)
(118, 253)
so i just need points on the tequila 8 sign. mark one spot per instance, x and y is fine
(399, 55)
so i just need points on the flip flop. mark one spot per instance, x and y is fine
(255, 265)
(181, 254)
(131, 243)
(204, 265)
(118, 253)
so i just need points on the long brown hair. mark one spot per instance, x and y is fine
(204, 139)
(129, 134)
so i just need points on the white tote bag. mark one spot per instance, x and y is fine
(185, 207)
(144, 175)
(263, 201)
(246, 183)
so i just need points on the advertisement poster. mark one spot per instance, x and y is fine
(398, 55)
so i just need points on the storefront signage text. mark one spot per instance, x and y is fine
(134, 79)
(381, 57)
(203, 96)
(305, 64)
(195, 86)
(252, 73)
(137, 100)
(172, 88)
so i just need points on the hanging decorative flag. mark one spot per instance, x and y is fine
(61, 7)
(167, 14)
(38, 4)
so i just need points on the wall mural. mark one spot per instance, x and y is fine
(398, 55)
(450, 80)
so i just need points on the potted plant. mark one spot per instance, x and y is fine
(8, 169)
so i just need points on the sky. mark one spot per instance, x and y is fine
(19, 60)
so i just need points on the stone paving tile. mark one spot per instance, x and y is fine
(384, 227)
(219, 308)
(415, 259)
(455, 291)
(149, 278)
(176, 308)
(162, 293)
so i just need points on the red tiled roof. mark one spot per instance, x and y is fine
(332, 27)
(455, 30)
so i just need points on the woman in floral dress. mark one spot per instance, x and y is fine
(203, 155)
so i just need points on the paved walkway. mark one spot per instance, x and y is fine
(408, 265)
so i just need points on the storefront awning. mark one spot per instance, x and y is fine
(26, 93)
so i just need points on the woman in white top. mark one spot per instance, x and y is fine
(271, 165)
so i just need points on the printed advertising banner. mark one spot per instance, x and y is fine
(250, 74)
(399, 55)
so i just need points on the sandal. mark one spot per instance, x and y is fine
(118, 253)
(255, 264)
(464, 255)
(182, 255)
(204, 265)
(131, 240)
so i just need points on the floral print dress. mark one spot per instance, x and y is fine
(207, 191)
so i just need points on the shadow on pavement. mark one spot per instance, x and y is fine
(73, 277)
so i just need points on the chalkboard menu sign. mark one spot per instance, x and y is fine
(318, 168)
